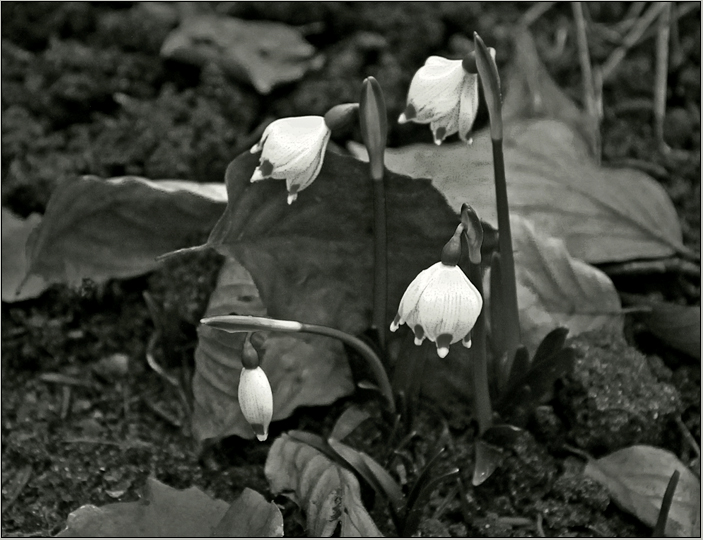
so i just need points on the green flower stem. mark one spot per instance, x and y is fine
(380, 281)
(511, 322)
(477, 354)
(367, 353)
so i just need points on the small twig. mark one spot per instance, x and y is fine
(59, 378)
(163, 414)
(540, 527)
(631, 39)
(688, 437)
(661, 75)
(589, 96)
(535, 11)
(125, 444)
(577, 451)
(684, 9)
(19, 482)
(636, 9)
(65, 402)
(660, 266)
(173, 381)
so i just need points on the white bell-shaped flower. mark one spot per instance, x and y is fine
(292, 149)
(256, 400)
(442, 305)
(444, 95)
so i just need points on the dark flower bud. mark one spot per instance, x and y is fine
(473, 231)
(374, 124)
(250, 358)
(341, 116)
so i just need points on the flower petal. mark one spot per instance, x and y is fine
(435, 91)
(468, 106)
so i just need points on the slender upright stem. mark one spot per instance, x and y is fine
(373, 361)
(380, 281)
(511, 323)
(477, 353)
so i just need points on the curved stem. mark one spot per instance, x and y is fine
(367, 353)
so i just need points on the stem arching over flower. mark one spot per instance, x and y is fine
(246, 323)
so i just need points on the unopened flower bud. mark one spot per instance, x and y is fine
(374, 124)
(341, 116)
(474, 232)
(256, 400)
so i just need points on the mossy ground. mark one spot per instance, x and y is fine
(84, 91)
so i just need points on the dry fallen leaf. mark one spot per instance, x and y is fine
(601, 214)
(104, 229)
(554, 289)
(327, 493)
(636, 478)
(263, 53)
(302, 369)
(165, 512)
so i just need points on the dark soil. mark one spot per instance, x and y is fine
(84, 91)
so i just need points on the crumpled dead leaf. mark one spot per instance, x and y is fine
(263, 53)
(165, 512)
(327, 493)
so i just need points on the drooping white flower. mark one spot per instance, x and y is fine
(442, 305)
(444, 95)
(292, 149)
(256, 400)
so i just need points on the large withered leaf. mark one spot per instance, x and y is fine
(602, 214)
(312, 260)
(263, 53)
(165, 512)
(532, 93)
(554, 289)
(327, 492)
(302, 369)
(636, 478)
(103, 229)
